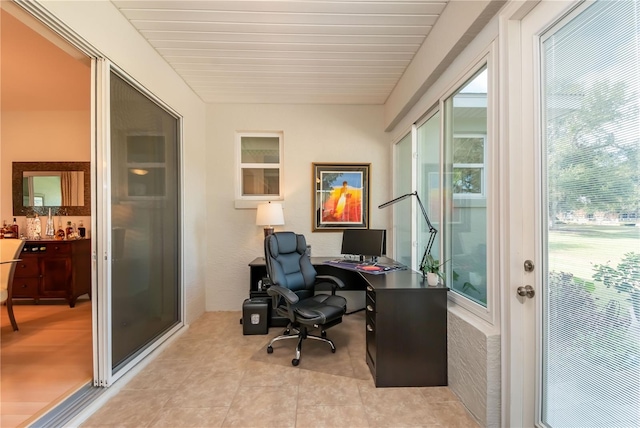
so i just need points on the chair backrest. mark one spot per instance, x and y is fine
(10, 249)
(288, 264)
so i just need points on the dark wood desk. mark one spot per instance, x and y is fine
(406, 323)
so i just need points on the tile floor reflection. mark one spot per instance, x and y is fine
(214, 376)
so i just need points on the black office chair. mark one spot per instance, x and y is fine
(294, 280)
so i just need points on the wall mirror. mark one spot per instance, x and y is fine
(62, 186)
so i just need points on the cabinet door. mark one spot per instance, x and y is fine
(56, 276)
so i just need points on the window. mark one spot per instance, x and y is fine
(428, 134)
(402, 235)
(445, 159)
(260, 166)
(468, 166)
(466, 218)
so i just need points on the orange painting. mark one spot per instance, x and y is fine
(341, 196)
(343, 203)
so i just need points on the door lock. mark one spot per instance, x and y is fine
(526, 291)
(528, 266)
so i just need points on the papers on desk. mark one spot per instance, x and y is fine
(372, 268)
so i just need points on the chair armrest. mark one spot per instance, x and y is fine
(328, 278)
(289, 296)
(334, 281)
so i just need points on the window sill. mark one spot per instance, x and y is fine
(243, 204)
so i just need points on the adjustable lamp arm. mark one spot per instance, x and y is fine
(432, 230)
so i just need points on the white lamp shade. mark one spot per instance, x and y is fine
(270, 214)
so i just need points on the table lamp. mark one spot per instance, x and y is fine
(432, 230)
(269, 214)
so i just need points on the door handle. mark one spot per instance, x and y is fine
(526, 291)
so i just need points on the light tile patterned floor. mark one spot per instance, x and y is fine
(214, 376)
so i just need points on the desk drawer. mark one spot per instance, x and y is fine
(370, 306)
(370, 326)
(371, 341)
(25, 287)
(26, 268)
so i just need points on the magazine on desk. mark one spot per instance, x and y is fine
(367, 267)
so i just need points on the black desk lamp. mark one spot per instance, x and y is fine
(432, 230)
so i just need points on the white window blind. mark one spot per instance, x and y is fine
(591, 316)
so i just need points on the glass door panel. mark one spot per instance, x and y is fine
(144, 218)
(590, 349)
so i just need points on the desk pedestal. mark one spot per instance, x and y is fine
(406, 329)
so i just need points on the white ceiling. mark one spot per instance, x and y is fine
(286, 51)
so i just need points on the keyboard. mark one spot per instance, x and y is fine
(350, 261)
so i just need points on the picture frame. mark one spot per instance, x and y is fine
(340, 196)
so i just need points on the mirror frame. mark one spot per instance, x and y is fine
(20, 167)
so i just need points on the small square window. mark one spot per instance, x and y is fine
(259, 166)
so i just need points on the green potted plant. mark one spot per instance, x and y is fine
(431, 269)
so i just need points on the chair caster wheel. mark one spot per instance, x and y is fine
(295, 362)
(323, 333)
(333, 350)
(269, 349)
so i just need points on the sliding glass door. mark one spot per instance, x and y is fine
(138, 166)
(145, 221)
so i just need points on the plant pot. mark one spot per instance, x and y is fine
(432, 278)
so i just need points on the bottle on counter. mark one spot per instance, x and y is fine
(15, 229)
(82, 231)
(50, 230)
(3, 228)
(37, 227)
(60, 233)
(8, 231)
(68, 232)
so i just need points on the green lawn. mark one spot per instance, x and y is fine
(577, 248)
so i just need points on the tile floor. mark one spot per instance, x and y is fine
(214, 376)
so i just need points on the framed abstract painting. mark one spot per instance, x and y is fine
(340, 196)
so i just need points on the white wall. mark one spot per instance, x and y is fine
(101, 25)
(312, 133)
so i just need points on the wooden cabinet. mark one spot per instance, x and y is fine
(53, 270)
(406, 330)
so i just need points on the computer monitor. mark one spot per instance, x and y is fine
(364, 242)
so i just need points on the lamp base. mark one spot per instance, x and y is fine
(268, 231)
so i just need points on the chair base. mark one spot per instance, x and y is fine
(301, 334)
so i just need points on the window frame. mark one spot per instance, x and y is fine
(481, 166)
(486, 58)
(490, 313)
(253, 200)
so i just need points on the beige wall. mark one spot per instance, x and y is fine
(48, 136)
(312, 133)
